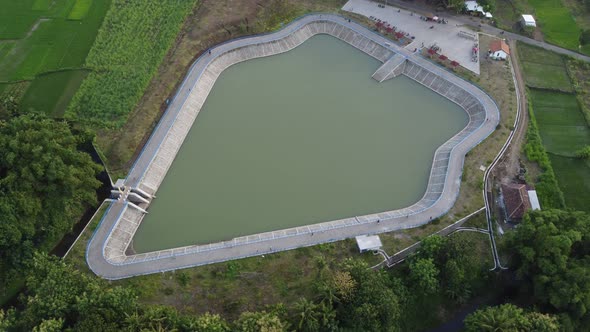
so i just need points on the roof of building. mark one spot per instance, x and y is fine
(529, 20)
(516, 200)
(368, 242)
(534, 200)
(473, 6)
(498, 45)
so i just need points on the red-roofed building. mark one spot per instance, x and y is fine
(499, 50)
(516, 201)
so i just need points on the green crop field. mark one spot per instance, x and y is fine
(544, 69)
(557, 23)
(130, 45)
(53, 42)
(561, 122)
(51, 93)
(573, 176)
(80, 9)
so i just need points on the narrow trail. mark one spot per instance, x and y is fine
(516, 136)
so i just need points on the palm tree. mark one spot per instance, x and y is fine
(308, 315)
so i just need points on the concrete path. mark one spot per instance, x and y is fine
(484, 116)
(485, 28)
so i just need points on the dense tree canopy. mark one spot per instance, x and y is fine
(508, 317)
(45, 185)
(551, 251)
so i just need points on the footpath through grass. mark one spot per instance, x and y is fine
(128, 50)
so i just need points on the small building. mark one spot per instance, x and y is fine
(534, 199)
(473, 7)
(499, 50)
(527, 21)
(517, 201)
(368, 242)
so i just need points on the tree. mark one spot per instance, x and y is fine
(260, 322)
(55, 291)
(583, 153)
(423, 274)
(585, 35)
(551, 255)
(433, 247)
(210, 323)
(373, 306)
(508, 317)
(45, 185)
(307, 315)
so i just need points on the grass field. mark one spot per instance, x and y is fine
(80, 9)
(55, 43)
(557, 23)
(51, 93)
(573, 176)
(127, 53)
(544, 69)
(561, 123)
(579, 71)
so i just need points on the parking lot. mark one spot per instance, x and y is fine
(426, 33)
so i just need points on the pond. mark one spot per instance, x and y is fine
(303, 137)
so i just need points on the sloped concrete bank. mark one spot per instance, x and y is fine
(107, 250)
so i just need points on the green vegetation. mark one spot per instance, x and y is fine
(80, 9)
(550, 195)
(557, 23)
(508, 317)
(51, 93)
(46, 184)
(342, 294)
(550, 255)
(558, 129)
(579, 72)
(573, 176)
(129, 47)
(561, 123)
(543, 69)
(53, 43)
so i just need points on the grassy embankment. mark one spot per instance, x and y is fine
(287, 275)
(255, 283)
(45, 43)
(558, 127)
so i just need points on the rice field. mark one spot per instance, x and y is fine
(46, 40)
(544, 69)
(557, 23)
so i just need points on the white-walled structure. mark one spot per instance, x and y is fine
(528, 21)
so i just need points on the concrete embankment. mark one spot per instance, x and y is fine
(106, 253)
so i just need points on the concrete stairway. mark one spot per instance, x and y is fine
(390, 69)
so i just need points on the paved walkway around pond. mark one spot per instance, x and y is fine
(450, 157)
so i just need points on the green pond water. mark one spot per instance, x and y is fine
(295, 139)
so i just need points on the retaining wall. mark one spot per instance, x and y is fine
(106, 254)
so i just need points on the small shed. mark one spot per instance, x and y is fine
(528, 21)
(499, 50)
(368, 242)
(534, 199)
(474, 7)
